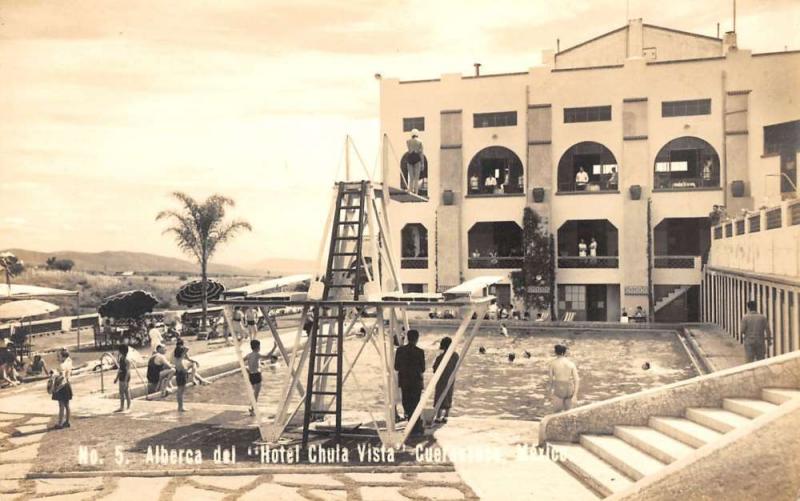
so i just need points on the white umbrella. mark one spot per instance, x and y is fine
(25, 309)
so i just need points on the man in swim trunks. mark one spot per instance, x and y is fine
(564, 380)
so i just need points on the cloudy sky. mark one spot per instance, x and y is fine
(107, 106)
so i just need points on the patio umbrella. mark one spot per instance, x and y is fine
(128, 304)
(25, 309)
(191, 294)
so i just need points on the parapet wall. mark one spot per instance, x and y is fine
(745, 381)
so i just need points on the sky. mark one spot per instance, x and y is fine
(108, 106)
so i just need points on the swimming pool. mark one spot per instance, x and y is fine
(610, 363)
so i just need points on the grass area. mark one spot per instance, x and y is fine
(94, 287)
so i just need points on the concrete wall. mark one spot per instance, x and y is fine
(758, 461)
(745, 381)
(671, 45)
(605, 50)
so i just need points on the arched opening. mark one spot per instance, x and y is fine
(423, 175)
(495, 245)
(588, 243)
(495, 170)
(414, 250)
(686, 162)
(588, 166)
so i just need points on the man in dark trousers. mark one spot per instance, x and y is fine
(755, 333)
(409, 362)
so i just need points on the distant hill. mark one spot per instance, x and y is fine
(279, 266)
(114, 261)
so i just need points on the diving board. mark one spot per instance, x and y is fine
(267, 286)
(472, 288)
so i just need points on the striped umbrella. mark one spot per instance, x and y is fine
(191, 294)
(128, 304)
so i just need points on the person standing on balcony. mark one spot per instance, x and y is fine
(613, 181)
(755, 333)
(581, 248)
(474, 184)
(593, 247)
(707, 168)
(491, 184)
(414, 160)
(581, 179)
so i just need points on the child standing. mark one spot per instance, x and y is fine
(253, 363)
(181, 375)
(124, 378)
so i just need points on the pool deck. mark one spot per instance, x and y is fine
(512, 472)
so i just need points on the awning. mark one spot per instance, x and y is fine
(17, 310)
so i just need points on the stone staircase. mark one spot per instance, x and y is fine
(674, 294)
(611, 463)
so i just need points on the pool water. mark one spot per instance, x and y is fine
(609, 364)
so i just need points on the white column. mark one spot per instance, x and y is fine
(785, 323)
(770, 317)
(795, 343)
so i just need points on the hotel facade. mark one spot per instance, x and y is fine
(665, 124)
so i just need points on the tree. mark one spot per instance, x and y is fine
(537, 265)
(54, 263)
(199, 228)
(11, 266)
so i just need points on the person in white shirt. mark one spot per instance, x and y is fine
(582, 248)
(581, 179)
(474, 184)
(563, 380)
(613, 181)
(155, 335)
(593, 247)
(491, 184)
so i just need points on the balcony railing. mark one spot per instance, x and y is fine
(588, 262)
(782, 216)
(414, 263)
(677, 262)
(495, 262)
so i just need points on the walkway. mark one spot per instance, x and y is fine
(719, 350)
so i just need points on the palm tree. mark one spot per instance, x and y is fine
(199, 228)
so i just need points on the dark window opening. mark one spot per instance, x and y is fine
(587, 114)
(495, 170)
(784, 139)
(588, 166)
(422, 186)
(497, 119)
(495, 245)
(686, 108)
(687, 162)
(414, 250)
(589, 243)
(412, 123)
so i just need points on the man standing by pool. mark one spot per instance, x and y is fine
(409, 362)
(755, 333)
(563, 380)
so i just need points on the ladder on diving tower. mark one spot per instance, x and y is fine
(344, 279)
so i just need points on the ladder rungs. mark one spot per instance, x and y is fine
(339, 270)
(349, 207)
(345, 253)
(345, 238)
(326, 354)
(324, 393)
(322, 412)
(349, 222)
(326, 374)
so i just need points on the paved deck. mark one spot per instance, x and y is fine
(719, 350)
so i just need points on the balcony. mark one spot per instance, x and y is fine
(677, 262)
(414, 263)
(588, 261)
(492, 262)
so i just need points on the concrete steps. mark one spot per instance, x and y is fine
(610, 463)
(595, 473)
(779, 395)
(690, 433)
(718, 419)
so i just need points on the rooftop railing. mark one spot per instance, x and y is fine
(767, 218)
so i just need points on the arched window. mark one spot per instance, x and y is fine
(686, 162)
(414, 250)
(495, 170)
(495, 245)
(423, 176)
(588, 166)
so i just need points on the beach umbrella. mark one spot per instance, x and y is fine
(26, 309)
(128, 304)
(191, 294)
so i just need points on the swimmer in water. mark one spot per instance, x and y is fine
(526, 354)
(482, 350)
(646, 365)
(503, 329)
(511, 357)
